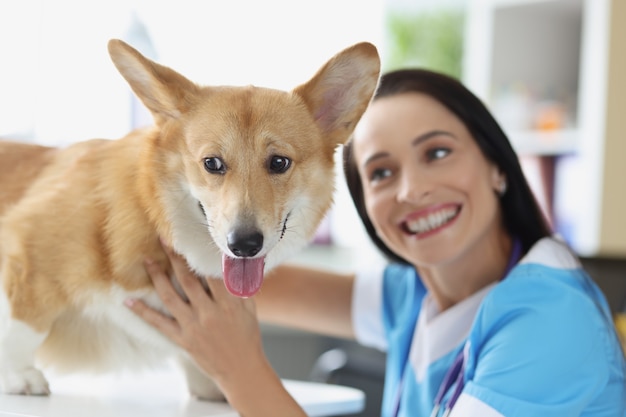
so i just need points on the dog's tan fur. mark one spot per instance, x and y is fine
(77, 223)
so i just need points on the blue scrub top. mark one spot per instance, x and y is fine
(539, 343)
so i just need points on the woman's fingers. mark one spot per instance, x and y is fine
(220, 295)
(190, 283)
(219, 331)
(166, 325)
(174, 303)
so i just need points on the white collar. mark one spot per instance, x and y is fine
(438, 333)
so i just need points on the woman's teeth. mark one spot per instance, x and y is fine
(432, 221)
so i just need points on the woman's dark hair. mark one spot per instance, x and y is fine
(521, 213)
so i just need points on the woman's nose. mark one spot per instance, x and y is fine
(411, 187)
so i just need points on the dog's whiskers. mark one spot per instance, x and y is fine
(284, 226)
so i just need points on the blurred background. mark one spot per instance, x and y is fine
(552, 71)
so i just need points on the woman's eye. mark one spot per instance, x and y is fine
(379, 174)
(437, 153)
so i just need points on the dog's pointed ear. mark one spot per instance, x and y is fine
(166, 93)
(341, 90)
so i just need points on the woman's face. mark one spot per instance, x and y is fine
(428, 189)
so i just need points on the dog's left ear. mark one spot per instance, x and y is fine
(165, 92)
(339, 93)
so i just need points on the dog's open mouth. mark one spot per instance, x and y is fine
(243, 276)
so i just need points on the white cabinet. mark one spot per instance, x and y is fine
(554, 74)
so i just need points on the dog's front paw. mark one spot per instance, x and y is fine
(199, 383)
(207, 393)
(28, 381)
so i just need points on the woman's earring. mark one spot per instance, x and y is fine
(502, 187)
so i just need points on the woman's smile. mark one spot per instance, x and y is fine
(425, 223)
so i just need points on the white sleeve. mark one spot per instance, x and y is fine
(367, 315)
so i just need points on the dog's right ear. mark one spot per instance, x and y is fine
(166, 93)
(339, 93)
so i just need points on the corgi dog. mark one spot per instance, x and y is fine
(235, 179)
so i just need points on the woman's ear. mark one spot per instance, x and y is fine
(498, 181)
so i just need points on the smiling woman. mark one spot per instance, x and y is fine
(434, 166)
(468, 128)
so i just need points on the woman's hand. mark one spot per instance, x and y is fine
(221, 333)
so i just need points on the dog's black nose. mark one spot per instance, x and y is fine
(244, 243)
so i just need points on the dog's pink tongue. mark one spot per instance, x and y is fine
(243, 276)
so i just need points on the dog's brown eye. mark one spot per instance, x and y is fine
(279, 164)
(214, 165)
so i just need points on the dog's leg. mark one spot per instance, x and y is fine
(199, 383)
(18, 344)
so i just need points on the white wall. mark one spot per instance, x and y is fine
(57, 84)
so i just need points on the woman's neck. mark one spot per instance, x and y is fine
(473, 270)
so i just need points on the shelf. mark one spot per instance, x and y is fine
(548, 143)
(562, 4)
(559, 63)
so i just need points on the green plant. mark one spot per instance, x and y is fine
(432, 40)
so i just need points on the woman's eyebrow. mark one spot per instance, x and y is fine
(374, 157)
(428, 135)
(416, 141)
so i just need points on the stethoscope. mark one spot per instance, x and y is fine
(453, 376)
(456, 372)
